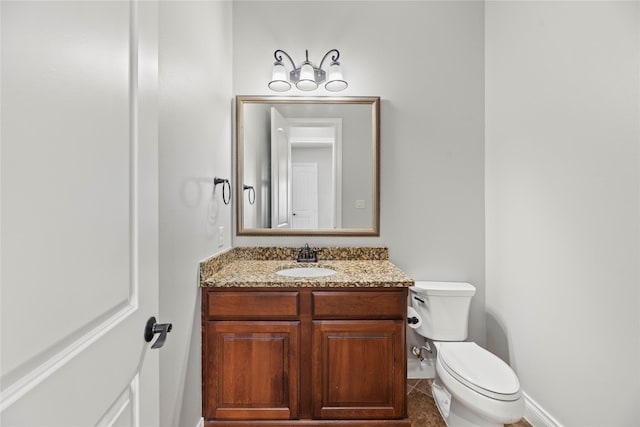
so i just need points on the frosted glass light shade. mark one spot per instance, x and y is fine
(335, 80)
(307, 78)
(279, 82)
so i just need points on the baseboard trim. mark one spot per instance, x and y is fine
(537, 416)
(200, 422)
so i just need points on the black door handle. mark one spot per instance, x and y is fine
(153, 328)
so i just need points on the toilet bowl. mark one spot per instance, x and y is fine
(472, 386)
(478, 381)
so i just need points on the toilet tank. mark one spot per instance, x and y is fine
(444, 309)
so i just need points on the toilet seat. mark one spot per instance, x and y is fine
(479, 370)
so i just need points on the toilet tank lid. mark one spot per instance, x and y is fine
(443, 288)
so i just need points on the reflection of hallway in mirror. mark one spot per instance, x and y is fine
(317, 142)
(304, 195)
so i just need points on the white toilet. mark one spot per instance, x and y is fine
(472, 386)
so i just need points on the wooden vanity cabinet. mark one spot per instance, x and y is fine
(304, 356)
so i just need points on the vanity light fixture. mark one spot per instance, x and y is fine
(307, 76)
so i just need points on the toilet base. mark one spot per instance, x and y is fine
(454, 413)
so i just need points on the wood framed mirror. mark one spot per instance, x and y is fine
(308, 165)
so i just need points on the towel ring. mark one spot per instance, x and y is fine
(226, 185)
(252, 191)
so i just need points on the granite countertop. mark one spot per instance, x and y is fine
(253, 270)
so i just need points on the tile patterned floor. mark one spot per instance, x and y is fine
(422, 409)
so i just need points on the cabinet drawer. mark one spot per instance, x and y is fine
(252, 305)
(359, 304)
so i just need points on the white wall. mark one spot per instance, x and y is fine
(195, 145)
(425, 61)
(562, 195)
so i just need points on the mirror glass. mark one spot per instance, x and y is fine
(307, 166)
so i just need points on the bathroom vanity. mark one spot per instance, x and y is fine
(313, 351)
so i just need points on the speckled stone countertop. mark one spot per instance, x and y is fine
(257, 267)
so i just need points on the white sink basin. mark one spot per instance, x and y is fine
(306, 272)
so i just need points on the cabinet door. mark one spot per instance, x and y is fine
(251, 370)
(358, 369)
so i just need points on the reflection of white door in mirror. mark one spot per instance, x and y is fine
(280, 155)
(304, 195)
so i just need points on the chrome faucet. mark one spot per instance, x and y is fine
(306, 254)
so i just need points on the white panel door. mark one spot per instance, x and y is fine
(79, 223)
(304, 195)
